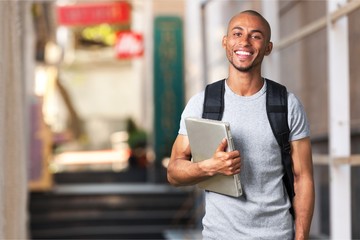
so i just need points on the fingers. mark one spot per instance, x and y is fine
(227, 163)
(234, 163)
(232, 167)
(221, 153)
(222, 146)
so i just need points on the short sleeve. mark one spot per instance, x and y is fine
(297, 119)
(193, 108)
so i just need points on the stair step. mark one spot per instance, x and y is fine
(107, 215)
(110, 211)
(123, 188)
(103, 232)
(105, 203)
(88, 218)
(131, 175)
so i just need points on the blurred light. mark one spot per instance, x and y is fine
(101, 33)
(119, 140)
(165, 162)
(41, 78)
(116, 158)
(53, 53)
(62, 36)
(65, 39)
(43, 74)
(65, 2)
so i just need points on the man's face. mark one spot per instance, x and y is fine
(247, 42)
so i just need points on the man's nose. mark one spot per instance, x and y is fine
(244, 40)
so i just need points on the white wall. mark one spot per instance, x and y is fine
(109, 91)
(104, 92)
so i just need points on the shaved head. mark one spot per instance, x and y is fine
(256, 14)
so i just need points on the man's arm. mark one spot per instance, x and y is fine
(181, 171)
(304, 187)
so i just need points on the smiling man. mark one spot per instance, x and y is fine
(263, 211)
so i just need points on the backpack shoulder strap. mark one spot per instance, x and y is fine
(276, 108)
(277, 111)
(214, 100)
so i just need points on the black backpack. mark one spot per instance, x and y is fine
(276, 108)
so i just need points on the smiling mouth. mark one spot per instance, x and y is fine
(243, 53)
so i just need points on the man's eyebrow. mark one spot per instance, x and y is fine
(252, 31)
(237, 28)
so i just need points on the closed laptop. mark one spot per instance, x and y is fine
(204, 137)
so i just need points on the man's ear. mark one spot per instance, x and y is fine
(268, 49)
(224, 41)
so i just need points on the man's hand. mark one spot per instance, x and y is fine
(182, 172)
(222, 162)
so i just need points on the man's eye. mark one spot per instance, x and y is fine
(256, 36)
(237, 34)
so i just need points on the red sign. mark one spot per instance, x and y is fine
(129, 44)
(94, 13)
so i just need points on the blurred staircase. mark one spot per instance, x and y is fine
(112, 211)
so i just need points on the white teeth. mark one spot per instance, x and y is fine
(243, 53)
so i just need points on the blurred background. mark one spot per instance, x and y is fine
(92, 93)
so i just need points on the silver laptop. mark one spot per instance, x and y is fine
(204, 137)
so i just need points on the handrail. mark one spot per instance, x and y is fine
(317, 25)
(353, 160)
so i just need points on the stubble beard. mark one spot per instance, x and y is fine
(242, 69)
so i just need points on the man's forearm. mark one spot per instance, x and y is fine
(183, 173)
(303, 206)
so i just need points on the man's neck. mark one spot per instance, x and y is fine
(245, 84)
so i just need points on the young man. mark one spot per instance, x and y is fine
(262, 212)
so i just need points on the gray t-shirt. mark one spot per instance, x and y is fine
(262, 212)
